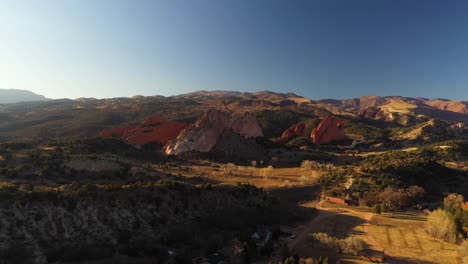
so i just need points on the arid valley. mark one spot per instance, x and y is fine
(231, 177)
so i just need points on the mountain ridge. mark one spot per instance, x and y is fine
(276, 112)
(11, 96)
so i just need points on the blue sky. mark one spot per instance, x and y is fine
(318, 49)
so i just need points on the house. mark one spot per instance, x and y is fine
(335, 200)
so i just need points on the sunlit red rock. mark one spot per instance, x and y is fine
(205, 133)
(295, 130)
(155, 129)
(330, 129)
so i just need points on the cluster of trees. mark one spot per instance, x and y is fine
(314, 165)
(394, 199)
(228, 168)
(447, 223)
(232, 169)
(396, 179)
(400, 161)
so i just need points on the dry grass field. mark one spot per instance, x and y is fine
(338, 221)
(403, 237)
(400, 236)
(260, 177)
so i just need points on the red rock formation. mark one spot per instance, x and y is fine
(115, 132)
(205, 133)
(295, 130)
(154, 120)
(330, 129)
(153, 130)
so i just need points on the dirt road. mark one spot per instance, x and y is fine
(304, 231)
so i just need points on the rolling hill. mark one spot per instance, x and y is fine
(86, 117)
(9, 96)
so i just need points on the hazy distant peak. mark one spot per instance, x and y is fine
(8, 96)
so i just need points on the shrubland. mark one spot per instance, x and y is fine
(399, 178)
(79, 222)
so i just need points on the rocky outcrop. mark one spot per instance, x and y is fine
(458, 127)
(232, 147)
(155, 129)
(205, 133)
(295, 130)
(330, 129)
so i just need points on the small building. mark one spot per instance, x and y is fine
(336, 200)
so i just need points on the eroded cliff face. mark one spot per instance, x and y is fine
(330, 129)
(155, 129)
(69, 225)
(205, 133)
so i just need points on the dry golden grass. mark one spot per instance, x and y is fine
(398, 106)
(403, 237)
(260, 177)
(337, 223)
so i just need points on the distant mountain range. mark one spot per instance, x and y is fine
(365, 117)
(9, 96)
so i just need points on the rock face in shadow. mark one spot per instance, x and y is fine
(234, 147)
(330, 129)
(205, 133)
(295, 130)
(155, 129)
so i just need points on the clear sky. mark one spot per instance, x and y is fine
(318, 49)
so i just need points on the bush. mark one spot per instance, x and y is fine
(266, 172)
(313, 165)
(453, 202)
(383, 208)
(26, 188)
(440, 224)
(377, 209)
(228, 168)
(349, 245)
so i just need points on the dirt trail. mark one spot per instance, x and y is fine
(304, 231)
